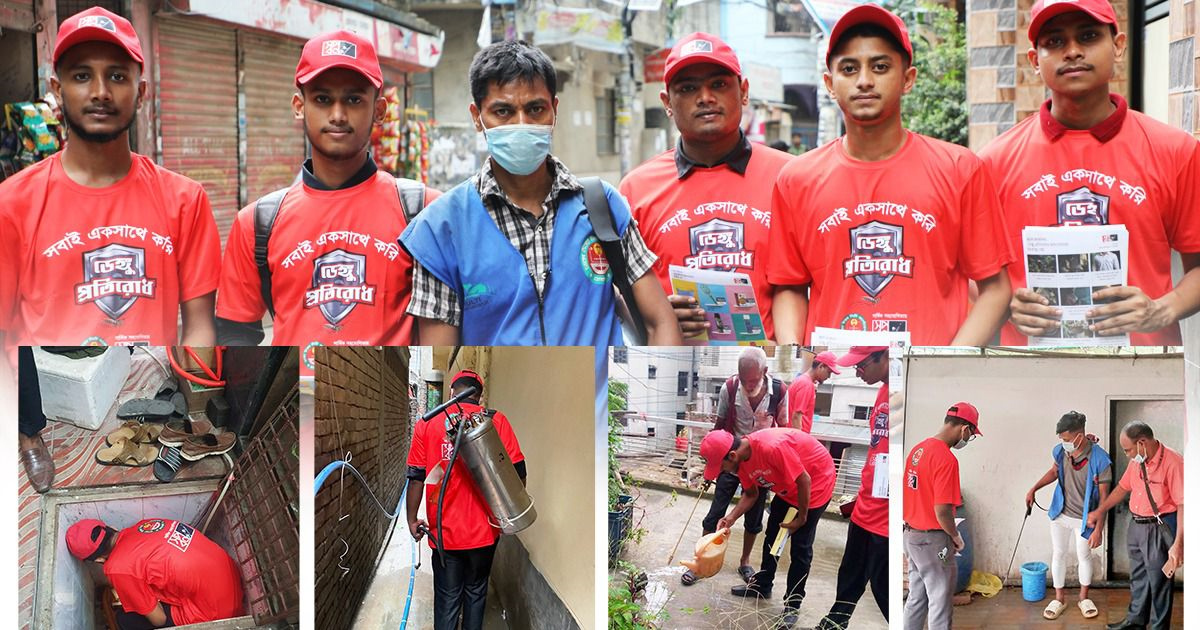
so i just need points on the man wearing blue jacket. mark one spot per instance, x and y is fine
(1083, 471)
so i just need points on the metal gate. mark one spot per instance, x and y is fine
(197, 109)
(274, 145)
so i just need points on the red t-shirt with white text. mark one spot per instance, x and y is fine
(870, 511)
(1146, 176)
(102, 266)
(930, 479)
(161, 560)
(778, 456)
(466, 516)
(713, 218)
(802, 397)
(887, 245)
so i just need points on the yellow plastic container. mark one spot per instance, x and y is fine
(710, 554)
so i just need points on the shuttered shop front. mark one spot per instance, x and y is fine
(197, 92)
(274, 138)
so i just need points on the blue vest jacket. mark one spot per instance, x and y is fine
(459, 243)
(1098, 460)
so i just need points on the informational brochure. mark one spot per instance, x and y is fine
(728, 302)
(1068, 265)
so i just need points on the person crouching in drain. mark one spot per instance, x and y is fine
(467, 534)
(165, 573)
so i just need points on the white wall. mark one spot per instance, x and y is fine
(1020, 399)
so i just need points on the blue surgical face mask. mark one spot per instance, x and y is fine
(1140, 457)
(519, 149)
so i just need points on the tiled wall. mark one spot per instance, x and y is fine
(73, 594)
(361, 407)
(1002, 88)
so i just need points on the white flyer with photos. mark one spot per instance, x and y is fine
(1067, 266)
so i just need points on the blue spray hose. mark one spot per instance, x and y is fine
(320, 481)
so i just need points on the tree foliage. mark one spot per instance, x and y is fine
(937, 105)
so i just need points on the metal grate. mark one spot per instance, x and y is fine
(262, 515)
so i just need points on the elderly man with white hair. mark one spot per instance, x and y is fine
(748, 401)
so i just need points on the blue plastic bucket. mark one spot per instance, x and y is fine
(1033, 581)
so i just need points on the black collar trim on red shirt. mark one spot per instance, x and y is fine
(366, 172)
(737, 160)
(1103, 131)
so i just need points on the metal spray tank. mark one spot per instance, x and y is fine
(492, 471)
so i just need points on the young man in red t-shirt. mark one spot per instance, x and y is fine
(802, 394)
(865, 559)
(468, 538)
(704, 204)
(99, 245)
(165, 572)
(883, 228)
(338, 276)
(1087, 159)
(799, 470)
(931, 539)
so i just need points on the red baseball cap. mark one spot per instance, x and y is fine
(713, 449)
(870, 14)
(829, 360)
(858, 353)
(339, 49)
(82, 538)
(468, 374)
(967, 412)
(1044, 10)
(97, 24)
(700, 48)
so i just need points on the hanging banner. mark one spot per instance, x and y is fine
(655, 65)
(586, 28)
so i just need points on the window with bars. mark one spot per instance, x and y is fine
(789, 18)
(606, 123)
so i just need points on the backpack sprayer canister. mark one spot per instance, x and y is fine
(494, 475)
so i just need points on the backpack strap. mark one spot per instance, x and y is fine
(265, 211)
(729, 422)
(412, 197)
(604, 225)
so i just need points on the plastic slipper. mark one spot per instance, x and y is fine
(146, 408)
(168, 464)
(746, 571)
(1088, 608)
(1054, 609)
(169, 388)
(688, 578)
(176, 432)
(135, 431)
(126, 453)
(181, 406)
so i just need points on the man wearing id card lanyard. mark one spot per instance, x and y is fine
(865, 559)
(1153, 481)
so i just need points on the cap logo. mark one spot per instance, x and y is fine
(696, 46)
(339, 48)
(98, 21)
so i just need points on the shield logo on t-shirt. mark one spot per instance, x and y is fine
(114, 277)
(339, 284)
(719, 244)
(1082, 207)
(877, 256)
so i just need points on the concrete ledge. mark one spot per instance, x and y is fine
(528, 600)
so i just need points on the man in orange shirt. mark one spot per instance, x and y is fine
(802, 395)
(1087, 159)
(931, 538)
(883, 229)
(1153, 481)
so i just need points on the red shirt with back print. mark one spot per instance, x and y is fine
(466, 516)
(102, 266)
(162, 560)
(1130, 169)
(779, 456)
(888, 245)
(714, 218)
(930, 478)
(871, 507)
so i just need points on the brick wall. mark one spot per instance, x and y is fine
(361, 406)
(1002, 88)
(1183, 98)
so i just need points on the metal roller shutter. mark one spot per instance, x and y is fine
(274, 139)
(197, 92)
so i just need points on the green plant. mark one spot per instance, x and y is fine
(937, 104)
(625, 610)
(618, 396)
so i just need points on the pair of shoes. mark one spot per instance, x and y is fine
(195, 439)
(1126, 624)
(126, 452)
(39, 465)
(135, 431)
